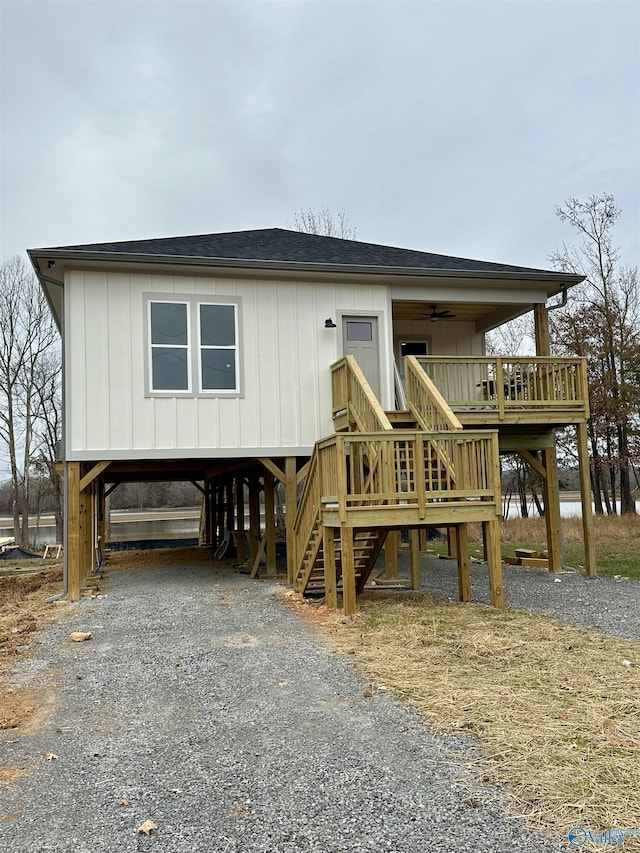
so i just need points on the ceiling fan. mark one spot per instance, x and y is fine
(445, 314)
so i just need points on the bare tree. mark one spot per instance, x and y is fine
(517, 337)
(48, 431)
(27, 336)
(602, 323)
(325, 222)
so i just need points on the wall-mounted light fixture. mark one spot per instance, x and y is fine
(329, 324)
(51, 265)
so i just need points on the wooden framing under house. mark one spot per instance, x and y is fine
(348, 379)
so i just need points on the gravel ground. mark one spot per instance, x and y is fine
(611, 606)
(204, 704)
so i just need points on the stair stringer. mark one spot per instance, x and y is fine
(310, 558)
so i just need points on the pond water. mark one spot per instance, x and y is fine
(122, 529)
(184, 523)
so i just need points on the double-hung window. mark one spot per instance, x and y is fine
(170, 368)
(193, 347)
(218, 360)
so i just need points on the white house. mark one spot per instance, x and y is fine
(209, 358)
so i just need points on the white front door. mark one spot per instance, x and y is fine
(360, 339)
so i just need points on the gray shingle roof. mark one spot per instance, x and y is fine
(281, 245)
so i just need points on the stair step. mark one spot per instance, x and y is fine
(402, 419)
(319, 584)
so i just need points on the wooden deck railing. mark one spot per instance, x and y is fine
(506, 384)
(427, 404)
(353, 399)
(410, 469)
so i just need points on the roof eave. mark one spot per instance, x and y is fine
(46, 283)
(558, 278)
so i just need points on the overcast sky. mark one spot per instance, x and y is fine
(453, 127)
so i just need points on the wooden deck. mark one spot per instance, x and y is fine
(520, 391)
(405, 478)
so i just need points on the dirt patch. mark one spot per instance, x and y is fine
(158, 558)
(23, 612)
(7, 776)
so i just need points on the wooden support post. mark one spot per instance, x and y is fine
(270, 522)
(220, 510)
(494, 561)
(391, 554)
(348, 571)
(207, 509)
(202, 525)
(414, 559)
(423, 539)
(101, 513)
(229, 505)
(464, 574)
(92, 530)
(590, 565)
(552, 509)
(72, 545)
(541, 320)
(254, 514)
(213, 513)
(86, 536)
(291, 508)
(107, 515)
(329, 554)
(241, 542)
(452, 544)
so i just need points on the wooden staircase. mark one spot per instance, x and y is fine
(400, 419)
(387, 471)
(311, 571)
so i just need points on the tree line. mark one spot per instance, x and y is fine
(601, 322)
(30, 395)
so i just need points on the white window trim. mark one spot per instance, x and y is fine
(194, 345)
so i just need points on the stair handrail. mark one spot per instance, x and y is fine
(426, 403)
(401, 397)
(310, 483)
(353, 394)
(308, 510)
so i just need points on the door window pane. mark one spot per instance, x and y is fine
(218, 369)
(169, 323)
(358, 330)
(218, 325)
(169, 369)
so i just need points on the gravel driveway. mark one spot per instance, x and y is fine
(611, 606)
(204, 704)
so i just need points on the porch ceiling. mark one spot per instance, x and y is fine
(470, 311)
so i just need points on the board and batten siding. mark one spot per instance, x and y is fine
(443, 338)
(285, 355)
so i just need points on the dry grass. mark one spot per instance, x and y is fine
(556, 708)
(23, 611)
(616, 542)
